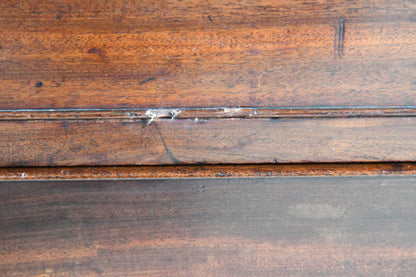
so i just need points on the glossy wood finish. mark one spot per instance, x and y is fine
(298, 226)
(166, 141)
(148, 54)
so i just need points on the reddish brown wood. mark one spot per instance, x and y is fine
(114, 83)
(120, 54)
(166, 141)
(120, 16)
(299, 226)
(207, 171)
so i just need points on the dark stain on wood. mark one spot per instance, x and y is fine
(39, 84)
(95, 50)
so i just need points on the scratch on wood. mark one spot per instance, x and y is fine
(340, 38)
(52, 158)
(168, 152)
(65, 124)
(147, 80)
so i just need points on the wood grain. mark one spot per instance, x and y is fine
(298, 226)
(206, 171)
(166, 141)
(129, 54)
(120, 16)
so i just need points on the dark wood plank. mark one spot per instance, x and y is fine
(206, 171)
(118, 54)
(166, 141)
(298, 226)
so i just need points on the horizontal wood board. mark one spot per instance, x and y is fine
(149, 54)
(297, 226)
(197, 141)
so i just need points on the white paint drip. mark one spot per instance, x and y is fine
(174, 113)
(231, 111)
(161, 113)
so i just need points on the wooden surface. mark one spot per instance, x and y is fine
(205, 113)
(269, 90)
(188, 82)
(206, 171)
(166, 141)
(297, 226)
(147, 54)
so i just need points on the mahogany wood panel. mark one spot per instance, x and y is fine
(166, 141)
(207, 171)
(297, 226)
(147, 54)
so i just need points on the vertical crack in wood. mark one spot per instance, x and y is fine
(340, 37)
(167, 149)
